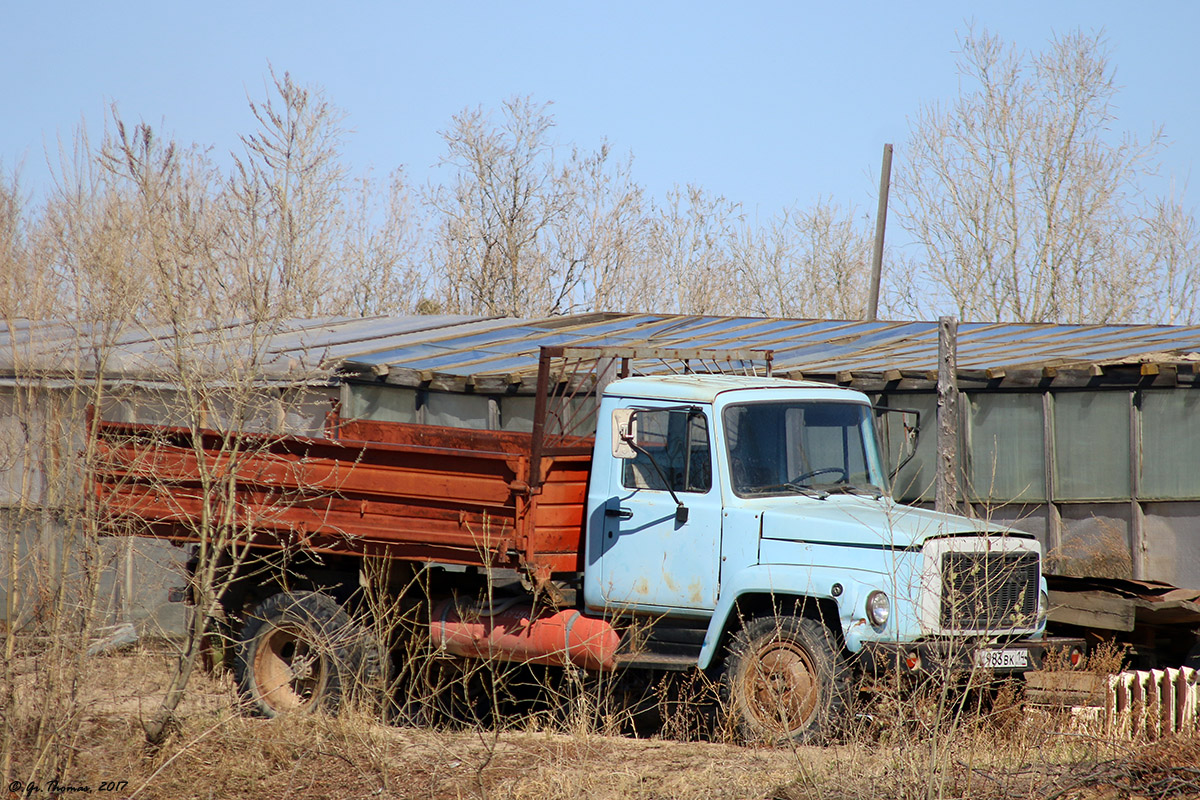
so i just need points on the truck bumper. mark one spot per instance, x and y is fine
(957, 655)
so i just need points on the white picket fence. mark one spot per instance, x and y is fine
(1151, 704)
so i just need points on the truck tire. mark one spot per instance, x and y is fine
(297, 653)
(784, 681)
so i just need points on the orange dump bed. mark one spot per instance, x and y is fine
(416, 492)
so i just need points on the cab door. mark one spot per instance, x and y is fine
(651, 555)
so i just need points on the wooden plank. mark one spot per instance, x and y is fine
(661, 353)
(1167, 612)
(1092, 610)
(1065, 688)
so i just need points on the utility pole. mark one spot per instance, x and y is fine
(885, 183)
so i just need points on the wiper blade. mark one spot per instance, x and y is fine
(849, 488)
(807, 491)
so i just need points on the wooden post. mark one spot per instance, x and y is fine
(540, 406)
(885, 182)
(1137, 511)
(1054, 548)
(946, 497)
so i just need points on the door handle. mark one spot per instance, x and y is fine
(620, 513)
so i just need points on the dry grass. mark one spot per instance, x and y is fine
(1099, 550)
(998, 749)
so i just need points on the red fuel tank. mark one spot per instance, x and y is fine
(515, 633)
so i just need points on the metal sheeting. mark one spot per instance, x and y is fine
(816, 347)
(463, 346)
(48, 348)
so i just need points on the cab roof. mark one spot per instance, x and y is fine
(697, 388)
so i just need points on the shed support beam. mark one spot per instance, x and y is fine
(948, 470)
(1054, 544)
(1137, 514)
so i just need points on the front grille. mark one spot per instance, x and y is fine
(989, 591)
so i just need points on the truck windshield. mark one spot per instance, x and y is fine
(805, 447)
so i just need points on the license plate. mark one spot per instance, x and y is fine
(1015, 658)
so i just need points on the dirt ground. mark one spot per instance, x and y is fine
(215, 752)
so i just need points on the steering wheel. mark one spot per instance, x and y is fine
(803, 476)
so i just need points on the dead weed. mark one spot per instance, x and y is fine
(1001, 751)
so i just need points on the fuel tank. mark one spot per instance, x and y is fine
(514, 631)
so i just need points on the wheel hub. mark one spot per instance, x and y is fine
(782, 688)
(288, 669)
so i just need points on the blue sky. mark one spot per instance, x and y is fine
(769, 104)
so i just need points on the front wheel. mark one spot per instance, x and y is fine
(785, 681)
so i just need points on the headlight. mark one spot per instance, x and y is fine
(879, 607)
(1043, 607)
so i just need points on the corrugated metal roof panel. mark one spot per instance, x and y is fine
(388, 339)
(816, 346)
(462, 345)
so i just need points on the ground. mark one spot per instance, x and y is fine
(1009, 751)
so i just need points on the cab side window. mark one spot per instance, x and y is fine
(677, 453)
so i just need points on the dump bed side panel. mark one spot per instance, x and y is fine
(558, 513)
(407, 491)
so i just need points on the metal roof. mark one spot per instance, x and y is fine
(849, 352)
(443, 351)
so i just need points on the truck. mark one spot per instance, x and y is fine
(738, 526)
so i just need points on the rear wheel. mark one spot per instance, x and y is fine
(785, 681)
(298, 652)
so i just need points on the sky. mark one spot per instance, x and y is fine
(768, 104)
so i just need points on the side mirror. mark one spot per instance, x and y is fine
(899, 435)
(624, 426)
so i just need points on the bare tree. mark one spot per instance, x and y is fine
(81, 240)
(379, 269)
(1025, 205)
(606, 232)
(139, 234)
(1172, 238)
(52, 557)
(811, 262)
(518, 230)
(169, 223)
(14, 260)
(520, 233)
(284, 203)
(690, 254)
(215, 367)
(496, 218)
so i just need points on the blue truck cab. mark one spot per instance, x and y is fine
(758, 511)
